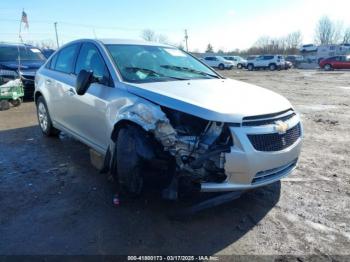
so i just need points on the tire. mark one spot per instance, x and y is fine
(328, 67)
(16, 102)
(44, 118)
(130, 165)
(239, 66)
(272, 67)
(221, 66)
(4, 105)
(250, 67)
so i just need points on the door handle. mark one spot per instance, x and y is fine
(71, 92)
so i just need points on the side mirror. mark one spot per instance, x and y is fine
(84, 80)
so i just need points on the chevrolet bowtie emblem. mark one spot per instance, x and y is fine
(281, 127)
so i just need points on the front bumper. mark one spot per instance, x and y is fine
(246, 168)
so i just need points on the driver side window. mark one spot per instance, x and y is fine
(90, 59)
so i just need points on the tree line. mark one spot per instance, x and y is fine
(327, 32)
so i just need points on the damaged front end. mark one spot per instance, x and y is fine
(198, 147)
(195, 146)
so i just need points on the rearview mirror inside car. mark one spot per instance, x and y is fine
(83, 82)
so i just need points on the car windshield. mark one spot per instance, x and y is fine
(12, 53)
(143, 63)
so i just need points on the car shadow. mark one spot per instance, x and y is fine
(55, 202)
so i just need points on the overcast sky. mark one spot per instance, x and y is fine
(226, 24)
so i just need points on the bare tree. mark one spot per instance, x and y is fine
(148, 35)
(162, 39)
(209, 49)
(327, 32)
(294, 40)
(346, 36)
(151, 36)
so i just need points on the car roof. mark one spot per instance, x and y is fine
(3, 44)
(112, 41)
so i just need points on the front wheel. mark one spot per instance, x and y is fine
(130, 165)
(328, 67)
(221, 67)
(250, 67)
(239, 66)
(44, 118)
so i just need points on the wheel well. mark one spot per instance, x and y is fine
(37, 95)
(119, 125)
(272, 64)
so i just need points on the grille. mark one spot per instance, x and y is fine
(275, 141)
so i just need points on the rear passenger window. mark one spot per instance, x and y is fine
(65, 59)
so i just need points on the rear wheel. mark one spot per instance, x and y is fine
(239, 66)
(44, 118)
(272, 67)
(4, 105)
(328, 67)
(221, 67)
(250, 67)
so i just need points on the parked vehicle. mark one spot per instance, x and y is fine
(294, 59)
(218, 62)
(272, 62)
(47, 52)
(326, 51)
(335, 62)
(251, 57)
(23, 59)
(11, 90)
(288, 65)
(308, 48)
(149, 106)
(238, 61)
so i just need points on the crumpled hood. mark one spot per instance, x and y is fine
(224, 100)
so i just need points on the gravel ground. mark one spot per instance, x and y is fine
(52, 201)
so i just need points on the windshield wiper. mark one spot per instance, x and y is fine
(187, 69)
(150, 71)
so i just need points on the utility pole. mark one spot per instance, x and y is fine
(186, 39)
(55, 24)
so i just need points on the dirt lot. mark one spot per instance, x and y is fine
(52, 201)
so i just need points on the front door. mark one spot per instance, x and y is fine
(88, 111)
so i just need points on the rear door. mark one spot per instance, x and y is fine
(60, 81)
(88, 112)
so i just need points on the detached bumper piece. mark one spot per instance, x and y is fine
(217, 200)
